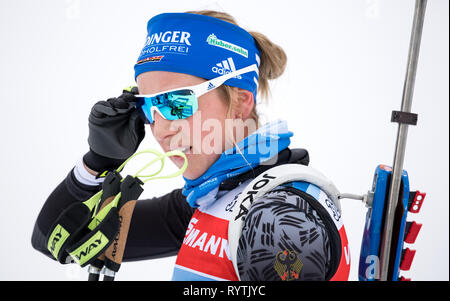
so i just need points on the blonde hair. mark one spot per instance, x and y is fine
(272, 65)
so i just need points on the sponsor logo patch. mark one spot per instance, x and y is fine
(150, 59)
(205, 247)
(225, 67)
(214, 41)
(176, 42)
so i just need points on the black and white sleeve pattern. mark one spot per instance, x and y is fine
(283, 238)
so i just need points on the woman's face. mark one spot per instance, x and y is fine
(202, 135)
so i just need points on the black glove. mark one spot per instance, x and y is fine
(116, 129)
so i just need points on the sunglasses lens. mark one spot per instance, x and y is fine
(144, 107)
(172, 105)
(182, 104)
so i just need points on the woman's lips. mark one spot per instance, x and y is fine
(184, 149)
(178, 160)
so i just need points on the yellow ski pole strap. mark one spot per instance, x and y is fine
(130, 191)
(94, 243)
(70, 222)
(97, 228)
(76, 217)
(179, 172)
(102, 228)
(99, 262)
(98, 235)
(104, 225)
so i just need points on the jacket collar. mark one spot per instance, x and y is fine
(286, 156)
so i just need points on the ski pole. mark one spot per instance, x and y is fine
(404, 119)
(114, 254)
(129, 193)
(96, 266)
(111, 187)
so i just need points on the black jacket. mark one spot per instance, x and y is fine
(159, 224)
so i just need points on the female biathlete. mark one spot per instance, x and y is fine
(198, 77)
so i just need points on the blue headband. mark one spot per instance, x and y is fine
(199, 45)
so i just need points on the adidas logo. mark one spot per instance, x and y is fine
(224, 67)
(211, 86)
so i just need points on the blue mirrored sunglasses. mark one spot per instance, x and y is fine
(182, 103)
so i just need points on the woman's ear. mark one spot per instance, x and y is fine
(244, 103)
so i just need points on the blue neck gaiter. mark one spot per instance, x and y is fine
(254, 150)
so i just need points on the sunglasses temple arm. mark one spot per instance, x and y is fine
(202, 88)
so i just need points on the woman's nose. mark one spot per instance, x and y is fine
(162, 128)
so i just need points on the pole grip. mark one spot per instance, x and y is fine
(116, 250)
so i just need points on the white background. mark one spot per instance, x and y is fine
(345, 73)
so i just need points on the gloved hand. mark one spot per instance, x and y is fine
(116, 129)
